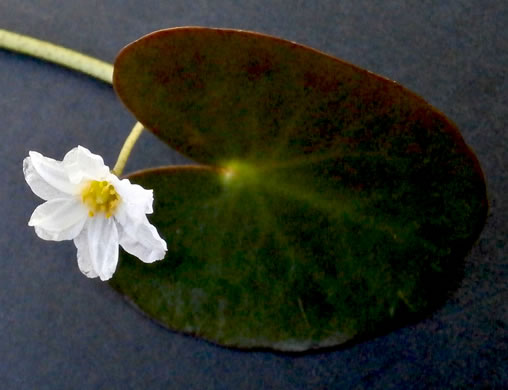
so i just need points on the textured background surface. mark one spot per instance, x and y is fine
(59, 329)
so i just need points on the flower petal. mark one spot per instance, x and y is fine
(84, 258)
(59, 219)
(141, 239)
(79, 164)
(47, 177)
(137, 201)
(102, 245)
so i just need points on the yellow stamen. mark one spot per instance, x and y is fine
(100, 197)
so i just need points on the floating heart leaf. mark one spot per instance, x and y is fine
(332, 204)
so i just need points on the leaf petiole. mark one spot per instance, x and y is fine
(57, 54)
(74, 60)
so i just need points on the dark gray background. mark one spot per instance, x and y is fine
(60, 330)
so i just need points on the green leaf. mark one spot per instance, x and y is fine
(333, 205)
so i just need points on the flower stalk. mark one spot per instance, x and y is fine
(127, 148)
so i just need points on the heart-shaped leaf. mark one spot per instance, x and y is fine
(332, 204)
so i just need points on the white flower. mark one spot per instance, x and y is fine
(86, 203)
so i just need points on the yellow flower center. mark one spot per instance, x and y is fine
(100, 197)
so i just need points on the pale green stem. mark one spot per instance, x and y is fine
(127, 148)
(57, 54)
(71, 59)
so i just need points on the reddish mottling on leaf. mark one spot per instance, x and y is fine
(331, 204)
